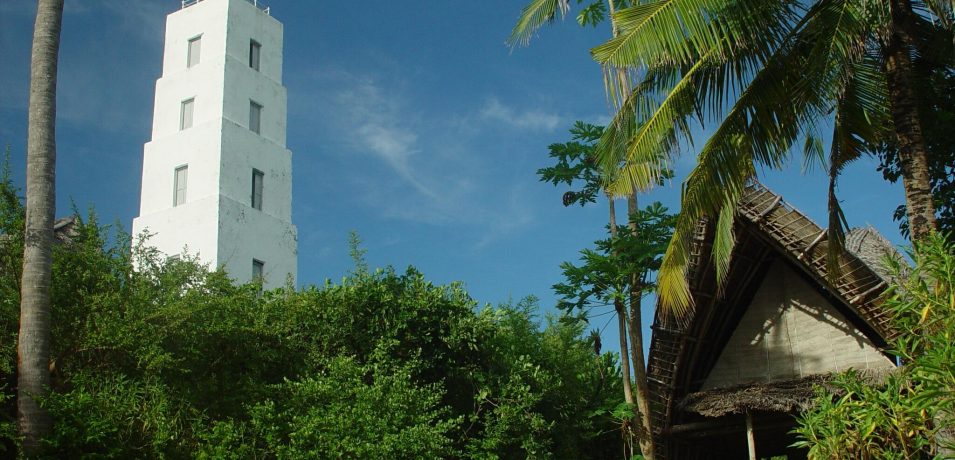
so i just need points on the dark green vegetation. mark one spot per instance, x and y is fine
(605, 273)
(900, 417)
(172, 361)
(616, 275)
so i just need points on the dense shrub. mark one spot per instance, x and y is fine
(171, 360)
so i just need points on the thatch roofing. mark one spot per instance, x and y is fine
(64, 229)
(790, 395)
(871, 247)
(780, 396)
(682, 353)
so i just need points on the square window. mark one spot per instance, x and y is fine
(255, 49)
(257, 179)
(185, 114)
(179, 185)
(255, 117)
(195, 46)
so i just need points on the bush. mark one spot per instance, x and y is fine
(170, 360)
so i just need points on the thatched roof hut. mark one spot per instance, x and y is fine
(752, 349)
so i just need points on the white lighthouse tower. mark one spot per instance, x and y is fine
(217, 178)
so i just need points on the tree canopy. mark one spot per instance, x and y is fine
(171, 360)
(770, 76)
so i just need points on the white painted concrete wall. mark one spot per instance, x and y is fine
(217, 222)
(791, 331)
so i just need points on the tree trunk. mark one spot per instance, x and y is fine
(33, 378)
(645, 431)
(913, 156)
(622, 325)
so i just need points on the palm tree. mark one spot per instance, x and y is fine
(768, 73)
(33, 377)
(536, 14)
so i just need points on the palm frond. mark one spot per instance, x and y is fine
(663, 105)
(861, 119)
(645, 141)
(533, 16)
(672, 288)
(813, 151)
(724, 242)
(770, 114)
(943, 10)
(655, 120)
(675, 32)
(798, 81)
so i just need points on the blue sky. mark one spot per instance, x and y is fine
(409, 122)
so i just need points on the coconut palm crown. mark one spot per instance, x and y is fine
(771, 75)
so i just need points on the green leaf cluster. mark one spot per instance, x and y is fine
(575, 164)
(158, 358)
(540, 12)
(607, 272)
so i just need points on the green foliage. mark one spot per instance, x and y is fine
(898, 418)
(770, 76)
(606, 274)
(11, 261)
(540, 12)
(866, 422)
(339, 414)
(110, 415)
(592, 14)
(169, 360)
(925, 309)
(575, 164)
(539, 379)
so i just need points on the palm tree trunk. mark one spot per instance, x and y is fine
(621, 316)
(645, 431)
(913, 155)
(622, 325)
(33, 378)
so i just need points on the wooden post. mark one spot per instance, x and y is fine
(750, 437)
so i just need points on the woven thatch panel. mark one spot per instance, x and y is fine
(873, 249)
(791, 331)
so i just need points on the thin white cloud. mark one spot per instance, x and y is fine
(395, 145)
(528, 119)
(433, 172)
(510, 216)
(381, 128)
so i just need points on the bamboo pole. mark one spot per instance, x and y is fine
(750, 436)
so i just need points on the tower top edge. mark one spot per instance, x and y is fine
(256, 3)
